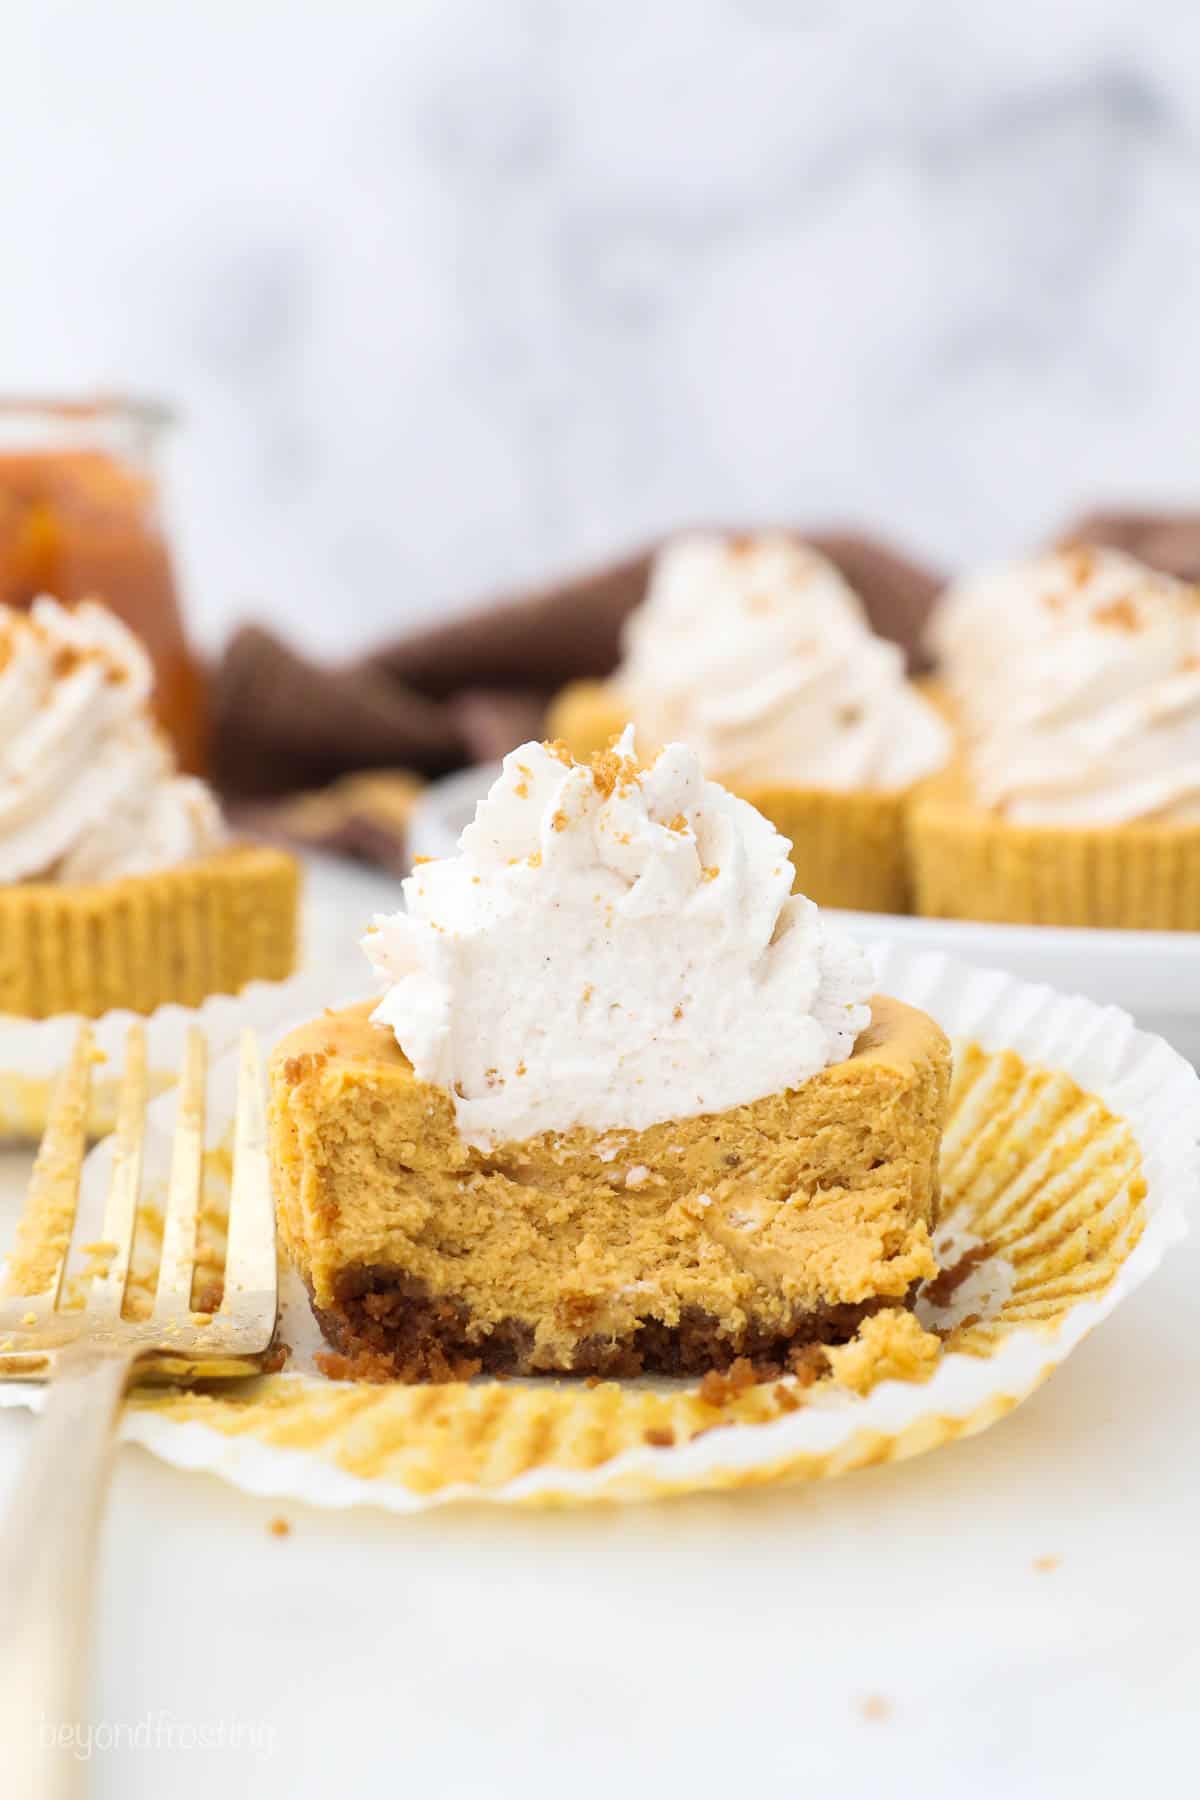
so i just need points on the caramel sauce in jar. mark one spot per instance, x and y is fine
(79, 519)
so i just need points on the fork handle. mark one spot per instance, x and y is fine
(47, 1562)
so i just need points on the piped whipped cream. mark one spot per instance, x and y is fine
(613, 947)
(756, 652)
(88, 788)
(1077, 674)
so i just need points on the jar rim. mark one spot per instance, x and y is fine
(136, 409)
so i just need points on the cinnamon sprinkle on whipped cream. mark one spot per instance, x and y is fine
(755, 651)
(1077, 676)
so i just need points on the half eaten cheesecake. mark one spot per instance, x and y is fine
(625, 1106)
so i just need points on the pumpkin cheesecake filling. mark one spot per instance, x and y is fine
(614, 1113)
(680, 1247)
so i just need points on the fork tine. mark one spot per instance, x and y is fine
(178, 1260)
(45, 1226)
(250, 1244)
(120, 1212)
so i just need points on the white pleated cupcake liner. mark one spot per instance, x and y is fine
(1137, 1076)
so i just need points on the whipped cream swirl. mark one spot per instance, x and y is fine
(1077, 674)
(757, 653)
(88, 789)
(613, 947)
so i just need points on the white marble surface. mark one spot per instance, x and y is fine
(456, 291)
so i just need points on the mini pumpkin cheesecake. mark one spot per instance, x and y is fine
(1075, 798)
(627, 1103)
(118, 886)
(756, 652)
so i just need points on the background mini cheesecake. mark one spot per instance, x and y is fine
(1074, 681)
(757, 653)
(119, 887)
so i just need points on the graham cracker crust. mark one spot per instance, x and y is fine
(385, 1325)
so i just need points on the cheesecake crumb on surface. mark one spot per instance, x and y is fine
(892, 1345)
(718, 1389)
(875, 1707)
(660, 1436)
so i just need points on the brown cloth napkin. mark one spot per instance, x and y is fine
(470, 689)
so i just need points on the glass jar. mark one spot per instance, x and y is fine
(79, 519)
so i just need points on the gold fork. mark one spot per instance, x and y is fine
(90, 1355)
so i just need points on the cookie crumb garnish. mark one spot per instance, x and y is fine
(875, 1707)
(660, 1436)
(611, 770)
(1122, 614)
(1083, 561)
(280, 1527)
(1046, 1565)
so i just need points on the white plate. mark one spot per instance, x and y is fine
(1155, 975)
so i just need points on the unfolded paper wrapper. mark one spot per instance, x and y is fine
(34, 1052)
(1069, 1157)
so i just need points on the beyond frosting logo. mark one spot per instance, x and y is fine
(155, 1731)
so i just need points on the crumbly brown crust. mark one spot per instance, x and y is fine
(386, 1326)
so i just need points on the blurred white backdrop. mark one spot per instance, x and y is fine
(453, 293)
